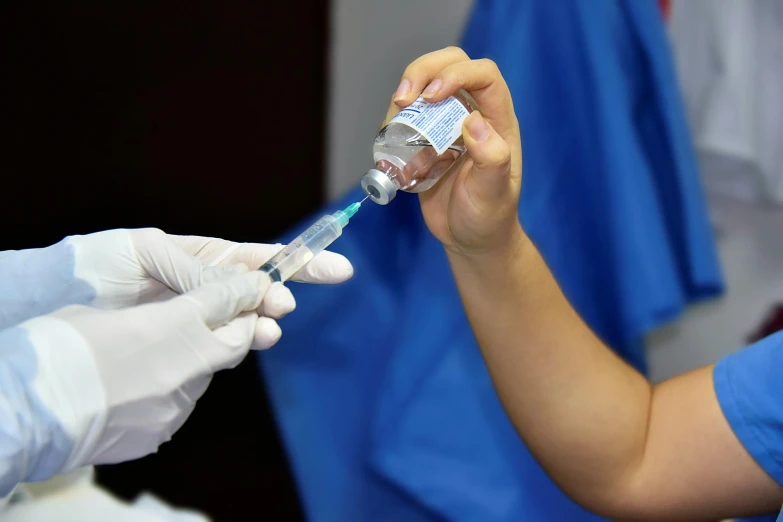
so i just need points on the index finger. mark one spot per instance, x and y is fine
(421, 71)
(443, 73)
(482, 79)
(221, 302)
(325, 268)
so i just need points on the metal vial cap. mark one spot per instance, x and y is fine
(377, 185)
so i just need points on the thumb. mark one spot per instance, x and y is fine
(222, 301)
(491, 156)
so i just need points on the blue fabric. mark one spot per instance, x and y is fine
(380, 391)
(611, 192)
(33, 444)
(750, 393)
(39, 281)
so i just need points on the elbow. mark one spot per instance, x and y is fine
(606, 501)
(626, 499)
(609, 503)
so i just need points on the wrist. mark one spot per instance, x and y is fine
(509, 249)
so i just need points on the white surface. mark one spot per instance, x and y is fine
(372, 42)
(750, 242)
(76, 497)
(732, 89)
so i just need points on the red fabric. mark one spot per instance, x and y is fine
(666, 8)
(771, 324)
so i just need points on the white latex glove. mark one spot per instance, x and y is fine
(119, 383)
(128, 267)
(120, 268)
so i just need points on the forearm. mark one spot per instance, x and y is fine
(614, 443)
(581, 410)
(38, 281)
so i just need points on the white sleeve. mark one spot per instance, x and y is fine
(48, 401)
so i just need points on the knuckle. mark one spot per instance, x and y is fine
(457, 52)
(501, 157)
(454, 75)
(494, 152)
(451, 54)
(247, 286)
(154, 234)
(185, 308)
(489, 64)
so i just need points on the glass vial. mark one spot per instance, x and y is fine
(417, 147)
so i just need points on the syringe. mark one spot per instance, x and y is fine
(309, 244)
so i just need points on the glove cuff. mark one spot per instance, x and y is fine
(68, 385)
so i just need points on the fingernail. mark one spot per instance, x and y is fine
(403, 89)
(433, 88)
(478, 128)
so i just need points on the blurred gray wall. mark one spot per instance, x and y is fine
(752, 258)
(372, 42)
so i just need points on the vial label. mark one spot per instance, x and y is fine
(440, 123)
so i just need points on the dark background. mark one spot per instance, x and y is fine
(195, 117)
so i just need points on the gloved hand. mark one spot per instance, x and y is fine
(106, 386)
(119, 268)
(127, 267)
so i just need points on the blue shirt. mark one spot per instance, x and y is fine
(750, 392)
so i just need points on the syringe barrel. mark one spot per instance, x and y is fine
(301, 250)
